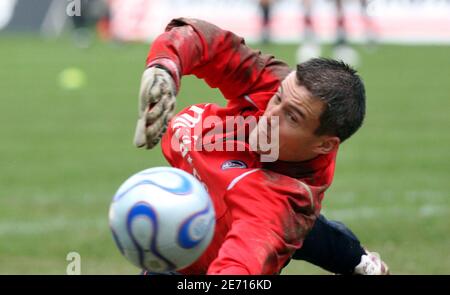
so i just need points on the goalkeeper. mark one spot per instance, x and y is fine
(267, 185)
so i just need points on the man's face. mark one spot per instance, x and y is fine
(298, 116)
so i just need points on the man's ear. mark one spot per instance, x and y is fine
(327, 145)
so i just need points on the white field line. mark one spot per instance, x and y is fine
(410, 197)
(358, 213)
(65, 224)
(47, 225)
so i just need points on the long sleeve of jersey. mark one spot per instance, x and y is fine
(221, 58)
(271, 215)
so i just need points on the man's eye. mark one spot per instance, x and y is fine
(277, 98)
(291, 117)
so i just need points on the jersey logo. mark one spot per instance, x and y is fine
(233, 164)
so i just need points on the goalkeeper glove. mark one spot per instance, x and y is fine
(156, 107)
(371, 264)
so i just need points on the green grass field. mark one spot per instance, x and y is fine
(64, 153)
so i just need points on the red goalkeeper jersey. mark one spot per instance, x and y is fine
(263, 210)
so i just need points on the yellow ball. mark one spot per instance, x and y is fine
(72, 78)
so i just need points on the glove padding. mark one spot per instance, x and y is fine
(156, 107)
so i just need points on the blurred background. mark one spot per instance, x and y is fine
(69, 78)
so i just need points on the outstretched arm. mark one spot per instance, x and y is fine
(221, 58)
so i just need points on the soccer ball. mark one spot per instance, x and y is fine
(162, 219)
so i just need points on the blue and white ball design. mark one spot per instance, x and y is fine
(162, 219)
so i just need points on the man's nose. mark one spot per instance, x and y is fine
(272, 115)
(273, 111)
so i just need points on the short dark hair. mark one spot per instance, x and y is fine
(341, 89)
